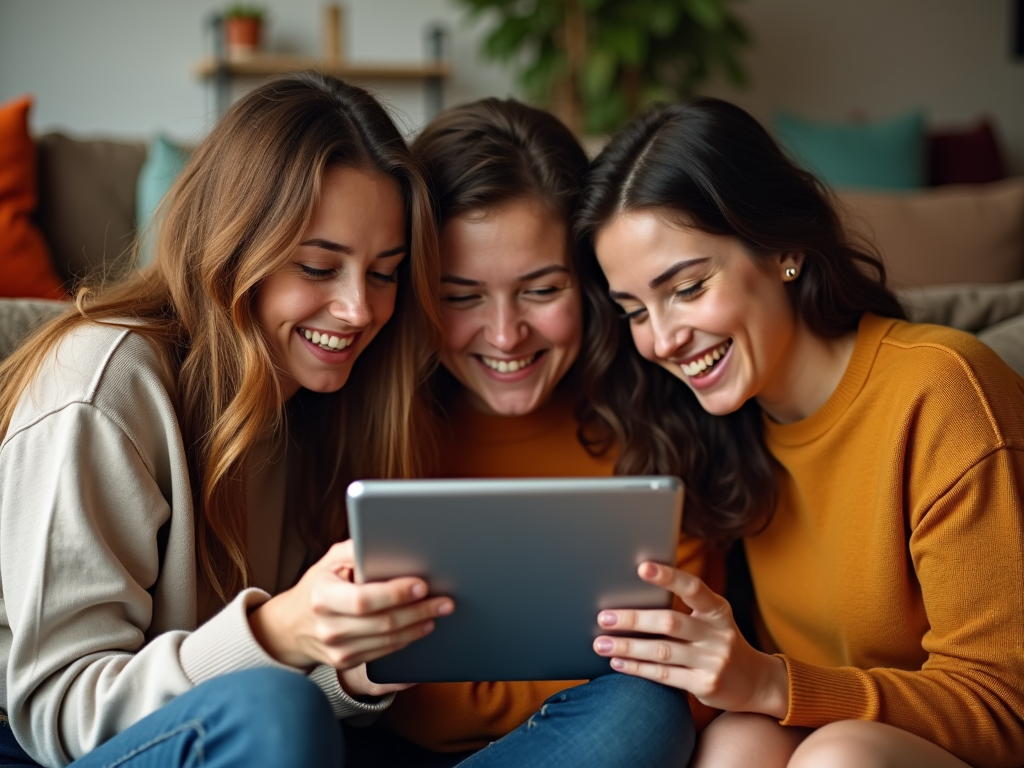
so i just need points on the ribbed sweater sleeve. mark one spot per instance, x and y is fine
(968, 695)
(97, 564)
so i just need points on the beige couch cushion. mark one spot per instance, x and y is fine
(19, 316)
(87, 201)
(955, 234)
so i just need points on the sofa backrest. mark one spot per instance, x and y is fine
(87, 201)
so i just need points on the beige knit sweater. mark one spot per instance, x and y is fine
(99, 619)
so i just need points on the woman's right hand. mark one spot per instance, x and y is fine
(327, 619)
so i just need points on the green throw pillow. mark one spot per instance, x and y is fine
(164, 161)
(887, 154)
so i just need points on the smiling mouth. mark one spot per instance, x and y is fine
(509, 366)
(327, 341)
(703, 365)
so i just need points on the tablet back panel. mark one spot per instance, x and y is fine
(529, 563)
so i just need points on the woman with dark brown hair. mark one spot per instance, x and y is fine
(505, 179)
(175, 450)
(874, 467)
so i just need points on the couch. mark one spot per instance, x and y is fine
(968, 238)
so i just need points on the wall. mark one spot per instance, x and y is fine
(827, 59)
(123, 67)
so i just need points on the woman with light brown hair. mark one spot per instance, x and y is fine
(175, 450)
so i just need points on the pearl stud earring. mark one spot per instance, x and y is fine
(790, 273)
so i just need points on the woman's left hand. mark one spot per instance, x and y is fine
(702, 652)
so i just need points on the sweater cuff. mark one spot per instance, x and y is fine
(345, 706)
(225, 643)
(822, 695)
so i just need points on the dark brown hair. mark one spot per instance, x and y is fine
(235, 215)
(711, 164)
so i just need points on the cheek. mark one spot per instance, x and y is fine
(643, 341)
(460, 327)
(560, 323)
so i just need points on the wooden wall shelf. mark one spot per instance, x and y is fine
(264, 65)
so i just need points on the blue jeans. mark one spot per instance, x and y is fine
(257, 717)
(614, 721)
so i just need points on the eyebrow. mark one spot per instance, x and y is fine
(663, 278)
(537, 273)
(329, 245)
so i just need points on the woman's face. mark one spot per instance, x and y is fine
(321, 309)
(701, 307)
(511, 307)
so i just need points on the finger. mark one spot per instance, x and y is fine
(394, 619)
(655, 622)
(343, 597)
(339, 556)
(694, 592)
(676, 677)
(657, 650)
(359, 650)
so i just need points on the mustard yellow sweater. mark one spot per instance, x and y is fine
(448, 717)
(891, 578)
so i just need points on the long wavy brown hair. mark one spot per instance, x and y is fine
(711, 165)
(233, 217)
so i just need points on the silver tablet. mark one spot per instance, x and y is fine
(529, 563)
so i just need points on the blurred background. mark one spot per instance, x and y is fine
(128, 68)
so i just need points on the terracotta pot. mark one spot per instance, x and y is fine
(242, 36)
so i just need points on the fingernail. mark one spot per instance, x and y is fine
(419, 590)
(428, 626)
(443, 609)
(650, 570)
(618, 664)
(607, 619)
(604, 645)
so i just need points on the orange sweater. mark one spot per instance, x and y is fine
(892, 575)
(451, 717)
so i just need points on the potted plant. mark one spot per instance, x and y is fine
(597, 63)
(243, 30)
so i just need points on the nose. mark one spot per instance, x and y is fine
(505, 328)
(669, 336)
(350, 303)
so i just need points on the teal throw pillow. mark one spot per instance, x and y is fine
(164, 161)
(888, 154)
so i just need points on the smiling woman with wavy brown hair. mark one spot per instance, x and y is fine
(176, 448)
(874, 468)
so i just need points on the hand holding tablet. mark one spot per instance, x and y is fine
(528, 563)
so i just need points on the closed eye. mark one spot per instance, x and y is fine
(315, 274)
(460, 298)
(690, 291)
(385, 278)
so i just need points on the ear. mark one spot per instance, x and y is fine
(790, 266)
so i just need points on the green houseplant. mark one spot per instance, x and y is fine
(596, 63)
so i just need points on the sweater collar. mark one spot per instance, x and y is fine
(471, 425)
(870, 332)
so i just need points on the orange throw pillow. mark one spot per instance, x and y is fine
(25, 266)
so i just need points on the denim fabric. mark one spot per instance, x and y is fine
(613, 721)
(259, 717)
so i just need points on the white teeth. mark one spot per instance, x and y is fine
(702, 364)
(326, 341)
(508, 366)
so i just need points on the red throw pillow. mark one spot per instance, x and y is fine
(965, 157)
(25, 266)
